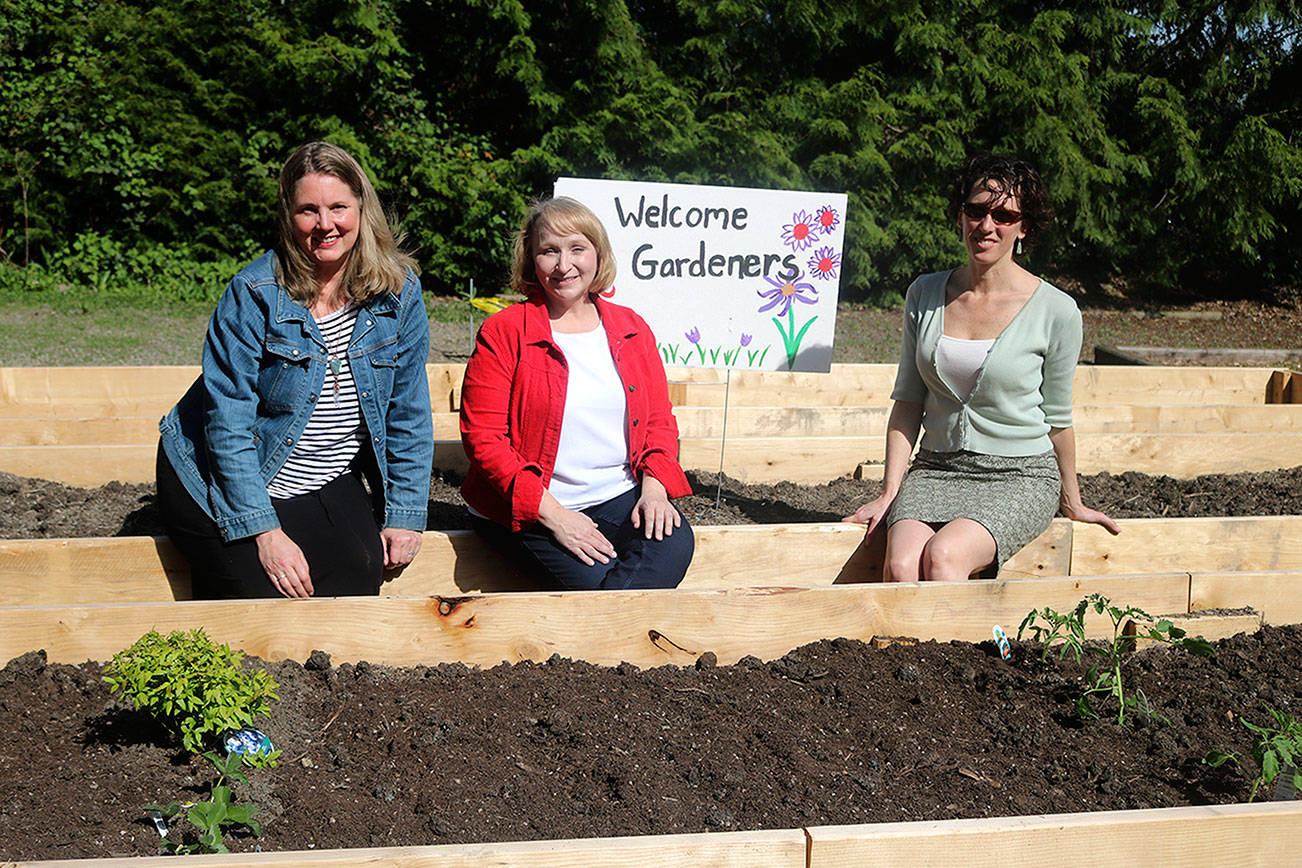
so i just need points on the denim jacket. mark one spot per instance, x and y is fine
(264, 365)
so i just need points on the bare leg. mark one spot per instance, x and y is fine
(905, 542)
(957, 550)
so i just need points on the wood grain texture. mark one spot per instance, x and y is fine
(1200, 544)
(1277, 594)
(146, 569)
(1262, 835)
(647, 628)
(779, 848)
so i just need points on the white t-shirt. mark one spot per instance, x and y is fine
(592, 457)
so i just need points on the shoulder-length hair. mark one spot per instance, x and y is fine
(1004, 176)
(563, 216)
(375, 265)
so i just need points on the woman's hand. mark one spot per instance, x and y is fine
(653, 512)
(871, 513)
(283, 560)
(1081, 512)
(576, 533)
(400, 547)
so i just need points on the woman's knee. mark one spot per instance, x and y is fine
(954, 558)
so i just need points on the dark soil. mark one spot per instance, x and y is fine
(35, 508)
(834, 732)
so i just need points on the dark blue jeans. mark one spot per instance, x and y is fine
(640, 562)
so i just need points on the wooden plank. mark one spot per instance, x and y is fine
(742, 422)
(804, 460)
(708, 422)
(646, 628)
(141, 390)
(1277, 594)
(1208, 625)
(1249, 835)
(451, 563)
(56, 431)
(1207, 544)
(780, 848)
(1262, 835)
(1255, 356)
(90, 466)
(870, 385)
(1094, 419)
(807, 460)
(46, 385)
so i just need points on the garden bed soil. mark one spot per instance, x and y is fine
(35, 508)
(835, 732)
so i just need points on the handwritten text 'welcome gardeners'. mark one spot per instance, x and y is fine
(668, 216)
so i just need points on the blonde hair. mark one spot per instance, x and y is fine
(564, 216)
(376, 264)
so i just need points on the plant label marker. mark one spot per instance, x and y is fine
(160, 825)
(1283, 784)
(1001, 640)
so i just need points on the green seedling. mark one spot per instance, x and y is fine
(192, 685)
(212, 816)
(1103, 678)
(1275, 748)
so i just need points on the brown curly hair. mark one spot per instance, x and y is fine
(1005, 177)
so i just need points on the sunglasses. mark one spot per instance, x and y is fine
(977, 211)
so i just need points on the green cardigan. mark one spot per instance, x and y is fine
(1022, 390)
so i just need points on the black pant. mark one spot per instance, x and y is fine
(334, 526)
(640, 563)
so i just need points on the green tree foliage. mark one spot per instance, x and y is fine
(1168, 133)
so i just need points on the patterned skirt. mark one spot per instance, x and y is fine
(1014, 498)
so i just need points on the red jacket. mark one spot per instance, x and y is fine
(513, 400)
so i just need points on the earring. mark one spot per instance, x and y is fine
(1017, 247)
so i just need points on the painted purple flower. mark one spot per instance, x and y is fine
(801, 232)
(827, 218)
(824, 263)
(745, 339)
(694, 335)
(783, 292)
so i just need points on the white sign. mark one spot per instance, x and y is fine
(727, 277)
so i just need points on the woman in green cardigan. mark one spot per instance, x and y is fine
(986, 366)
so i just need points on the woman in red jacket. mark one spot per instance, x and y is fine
(565, 417)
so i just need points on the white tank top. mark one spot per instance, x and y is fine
(959, 362)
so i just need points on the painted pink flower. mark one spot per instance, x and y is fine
(827, 218)
(824, 263)
(801, 232)
(783, 292)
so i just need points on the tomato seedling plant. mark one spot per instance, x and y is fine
(1276, 748)
(1104, 678)
(217, 813)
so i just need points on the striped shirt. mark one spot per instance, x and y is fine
(335, 431)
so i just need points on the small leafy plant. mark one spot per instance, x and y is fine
(1103, 677)
(1275, 748)
(217, 813)
(192, 685)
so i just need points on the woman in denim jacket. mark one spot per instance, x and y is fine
(313, 377)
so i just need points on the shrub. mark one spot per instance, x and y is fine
(193, 686)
